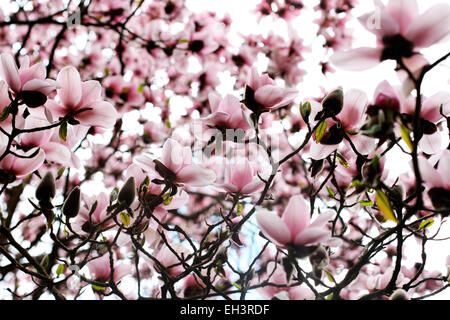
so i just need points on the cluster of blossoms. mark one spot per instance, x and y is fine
(149, 181)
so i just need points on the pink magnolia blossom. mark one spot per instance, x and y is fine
(294, 227)
(26, 78)
(85, 223)
(266, 93)
(178, 160)
(15, 168)
(226, 113)
(241, 178)
(100, 268)
(82, 100)
(400, 30)
(351, 117)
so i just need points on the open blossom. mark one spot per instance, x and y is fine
(176, 166)
(294, 226)
(100, 268)
(12, 167)
(400, 30)
(241, 178)
(85, 222)
(262, 94)
(25, 78)
(82, 100)
(226, 113)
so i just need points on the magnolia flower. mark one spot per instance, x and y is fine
(26, 78)
(15, 168)
(100, 268)
(154, 191)
(399, 30)
(176, 166)
(226, 113)
(82, 100)
(350, 116)
(262, 94)
(85, 222)
(430, 141)
(241, 178)
(294, 227)
(437, 179)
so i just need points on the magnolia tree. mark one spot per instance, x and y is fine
(127, 171)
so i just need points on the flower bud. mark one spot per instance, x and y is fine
(399, 294)
(46, 189)
(319, 258)
(71, 206)
(332, 104)
(128, 192)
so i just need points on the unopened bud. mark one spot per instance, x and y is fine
(128, 192)
(399, 294)
(46, 189)
(332, 104)
(71, 206)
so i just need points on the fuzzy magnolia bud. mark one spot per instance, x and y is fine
(46, 189)
(332, 104)
(71, 206)
(399, 294)
(128, 192)
(319, 258)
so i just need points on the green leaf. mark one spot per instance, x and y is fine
(168, 125)
(60, 270)
(141, 87)
(167, 199)
(352, 133)
(4, 114)
(237, 286)
(342, 160)
(320, 131)
(60, 172)
(329, 297)
(125, 218)
(239, 209)
(355, 183)
(425, 224)
(330, 276)
(405, 135)
(98, 288)
(330, 191)
(384, 205)
(376, 163)
(366, 202)
(63, 131)
(183, 41)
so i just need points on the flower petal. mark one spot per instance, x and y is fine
(430, 27)
(311, 236)
(296, 215)
(102, 114)
(273, 227)
(9, 71)
(356, 59)
(70, 82)
(196, 176)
